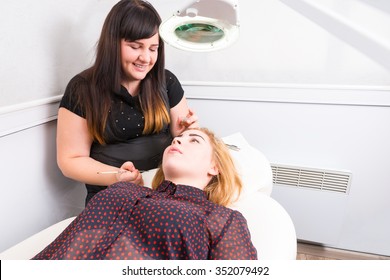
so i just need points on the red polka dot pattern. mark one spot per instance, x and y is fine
(127, 221)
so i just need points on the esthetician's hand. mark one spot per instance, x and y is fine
(128, 173)
(189, 121)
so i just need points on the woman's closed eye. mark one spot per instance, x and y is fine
(136, 46)
(194, 140)
(132, 45)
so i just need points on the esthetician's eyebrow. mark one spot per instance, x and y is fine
(141, 43)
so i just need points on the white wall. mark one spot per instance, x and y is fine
(44, 43)
(282, 44)
(35, 194)
(308, 84)
(292, 84)
(324, 136)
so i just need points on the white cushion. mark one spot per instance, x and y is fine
(147, 176)
(31, 246)
(254, 167)
(271, 228)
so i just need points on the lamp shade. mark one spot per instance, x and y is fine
(202, 25)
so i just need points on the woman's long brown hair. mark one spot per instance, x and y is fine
(130, 20)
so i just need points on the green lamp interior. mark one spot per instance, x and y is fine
(199, 33)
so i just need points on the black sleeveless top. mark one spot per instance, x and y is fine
(125, 123)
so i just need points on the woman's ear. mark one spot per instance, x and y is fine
(213, 169)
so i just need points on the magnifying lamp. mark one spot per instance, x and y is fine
(202, 25)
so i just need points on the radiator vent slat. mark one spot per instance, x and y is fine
(311, 178)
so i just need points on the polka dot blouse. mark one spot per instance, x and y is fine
(127, 221)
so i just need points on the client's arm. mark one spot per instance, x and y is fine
(234, 241)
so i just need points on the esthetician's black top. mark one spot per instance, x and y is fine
(125, 123)
(174, 222)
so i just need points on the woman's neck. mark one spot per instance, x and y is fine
(131, 86)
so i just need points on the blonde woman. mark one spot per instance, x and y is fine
(182, 217)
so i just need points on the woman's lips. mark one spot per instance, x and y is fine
(175, 149)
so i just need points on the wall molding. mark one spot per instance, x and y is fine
(26, 115)
(290, 93)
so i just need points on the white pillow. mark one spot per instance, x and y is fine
(147, 176)
(253, 166)
(271, 227)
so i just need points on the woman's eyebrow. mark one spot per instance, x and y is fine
(141, 43)
(192, 134)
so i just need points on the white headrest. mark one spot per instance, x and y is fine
(254, 167)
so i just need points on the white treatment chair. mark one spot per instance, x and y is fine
(272, 231)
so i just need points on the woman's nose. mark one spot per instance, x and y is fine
(144, 57)
(176, 141)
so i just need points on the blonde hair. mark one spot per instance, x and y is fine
(223, 188)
